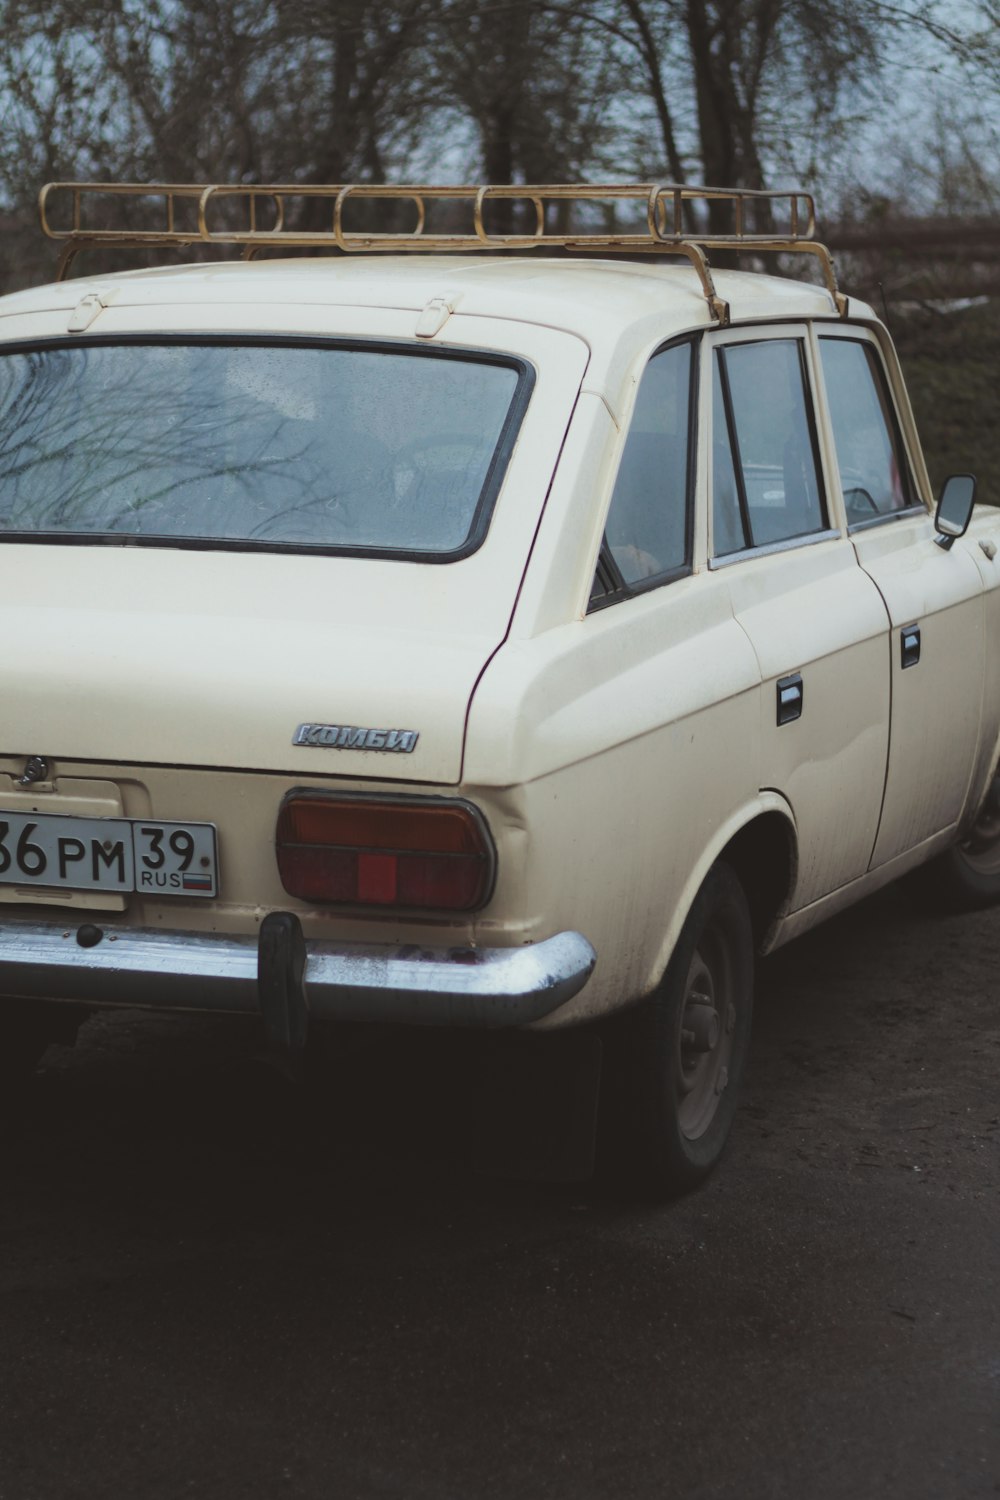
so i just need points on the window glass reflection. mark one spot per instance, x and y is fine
(777, 456)
(334, 447)
(873, 475)
(648, 520)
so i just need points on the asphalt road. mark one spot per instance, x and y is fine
(207, 1289)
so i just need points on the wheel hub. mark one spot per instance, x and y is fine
(705, 1042)
(702, 1026)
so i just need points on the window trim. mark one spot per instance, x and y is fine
(485, 504)
(787, 544)
(605, 559)
(861, 335)
(735, 455)
(799, 335)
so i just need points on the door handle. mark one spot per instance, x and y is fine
(790, 695)
(909, 645)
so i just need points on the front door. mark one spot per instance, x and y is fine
(934, 600)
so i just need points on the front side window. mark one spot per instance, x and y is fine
(873, 473)
(648, 527)
(765, 473)
(263, 444)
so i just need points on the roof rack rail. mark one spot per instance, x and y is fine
(193, 214)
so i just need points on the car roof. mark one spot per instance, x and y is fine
(591, 298)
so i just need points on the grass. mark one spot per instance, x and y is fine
(951, 362)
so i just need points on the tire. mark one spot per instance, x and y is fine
(967, 876)
(674, 1063)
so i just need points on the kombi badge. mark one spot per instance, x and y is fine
(353, 737)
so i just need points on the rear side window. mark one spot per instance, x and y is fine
(765, 472)
(874, 478)
(647, 538)
(270, 445)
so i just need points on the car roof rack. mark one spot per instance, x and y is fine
(197, 214)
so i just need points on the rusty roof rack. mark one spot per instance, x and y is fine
(193, 215)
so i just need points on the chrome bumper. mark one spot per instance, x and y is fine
(486, 987)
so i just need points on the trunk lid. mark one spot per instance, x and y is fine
(162, 656)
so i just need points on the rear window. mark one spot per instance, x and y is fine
(270, 445)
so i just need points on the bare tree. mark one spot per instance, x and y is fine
(533, 81)
(207, 90)
(732, 92)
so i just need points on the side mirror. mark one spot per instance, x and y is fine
(954, 509)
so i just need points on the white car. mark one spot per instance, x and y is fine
(473, 640)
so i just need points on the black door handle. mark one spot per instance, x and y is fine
(790, 694)
(909, 645)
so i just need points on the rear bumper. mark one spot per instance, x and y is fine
(485, 987)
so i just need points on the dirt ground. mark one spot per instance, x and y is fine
(207, 1289)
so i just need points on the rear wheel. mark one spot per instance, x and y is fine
(676, 1061)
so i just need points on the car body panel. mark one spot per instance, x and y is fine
(600, 727)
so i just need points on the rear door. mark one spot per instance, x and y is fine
(814, 618)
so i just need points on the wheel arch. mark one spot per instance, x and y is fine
(764, 855)
(760, 843)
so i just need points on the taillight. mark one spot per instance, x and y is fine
(428, 855)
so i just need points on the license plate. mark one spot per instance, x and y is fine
(57, 851)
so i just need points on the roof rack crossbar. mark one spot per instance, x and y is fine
(264, 222)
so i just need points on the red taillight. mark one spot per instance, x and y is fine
(356, 851)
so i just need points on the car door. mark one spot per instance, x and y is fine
(934, 599)
(814, 617)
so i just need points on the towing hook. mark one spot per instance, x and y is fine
(36, 769)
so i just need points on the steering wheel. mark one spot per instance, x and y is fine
(859, 502)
